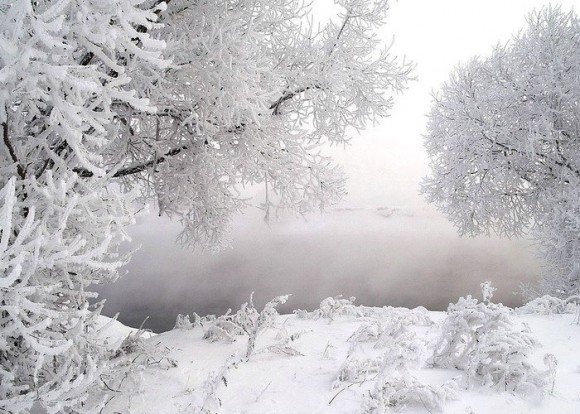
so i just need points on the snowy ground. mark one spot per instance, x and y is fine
(319, 363)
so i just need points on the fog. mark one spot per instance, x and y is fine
(382, 257)
(383, 244)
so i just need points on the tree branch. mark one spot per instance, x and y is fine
(11, 152)
(543, 157)
(289, 95)
(137, 168)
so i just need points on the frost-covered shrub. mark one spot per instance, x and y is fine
(284, 340)
(397, 350)
(356, 370)
(547, 305)
(223, 328)
(337, 306)
(211, 402)
(500, 359)
(247, 321)
(369, 332)
(552, 364)
(487, 291)
(397, 392)
(482, 340)
(401, 347)
(401, 350)
(418, 316)
(458, 337)
(183, 322)
(127, 360)
(333, 307)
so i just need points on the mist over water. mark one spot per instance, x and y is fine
(380, 256)
(408, 257)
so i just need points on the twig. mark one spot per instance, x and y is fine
(424, 405)
(107, 385)
(143, 323)
(348, 386)
(263, 391)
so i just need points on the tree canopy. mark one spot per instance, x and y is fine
(504, 144)
(107, 105)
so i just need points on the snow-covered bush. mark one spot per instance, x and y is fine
(395, 347)
(222, 329)
(398, 392)
(547, 305)
(333, 307)
(227, 326)
(211, 402)
(127, 361)
(397, 350)
(369, 332)
(483, 341)
(246, 321)
(418, 316)
(500, 359)
(357, 370)
(487, 291)
(284, 340)
(551, 363)
(183, 322)
(337, 306)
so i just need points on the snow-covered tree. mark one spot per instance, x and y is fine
(504, 143)
(107, 105)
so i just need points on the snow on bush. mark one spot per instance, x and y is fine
(183, 322)
(398, 392)
(333, 307)
(394, 351)
(247, 321)
(487, 291)
(547, 305)
(355, 370)
(211, 402)
(337, 306)
(284, 339)
(126, 360)
(482, 340)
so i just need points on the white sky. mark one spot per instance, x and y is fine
(414, 257)
(385, 164)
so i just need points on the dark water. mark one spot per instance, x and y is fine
(399, 259)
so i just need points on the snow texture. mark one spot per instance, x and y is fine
(369, 360)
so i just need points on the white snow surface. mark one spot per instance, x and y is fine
(302, 379)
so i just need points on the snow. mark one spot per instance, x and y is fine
(111, 330)
(302, 377)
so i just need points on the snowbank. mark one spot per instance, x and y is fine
(346, 359)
